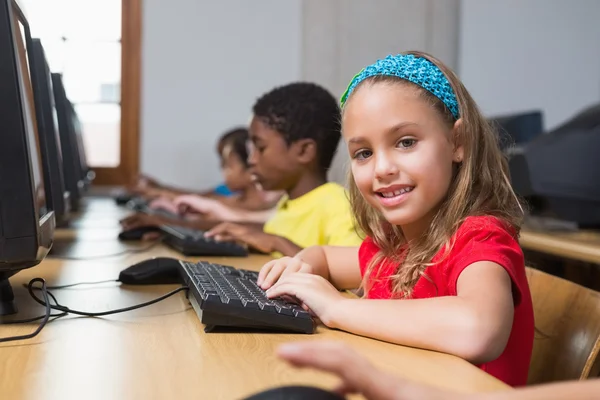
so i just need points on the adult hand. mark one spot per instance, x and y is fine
(357, 374)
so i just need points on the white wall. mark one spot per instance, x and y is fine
(204, 63)
(340, 37)
(519, 55)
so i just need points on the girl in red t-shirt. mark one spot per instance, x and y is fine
(440, 266)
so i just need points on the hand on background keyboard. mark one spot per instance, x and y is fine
(164, 203)
(140, 220)
(252, 236)
(272, 271)
(209, 208)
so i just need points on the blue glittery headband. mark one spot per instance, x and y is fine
(417, 70)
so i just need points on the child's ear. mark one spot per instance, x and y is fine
(305, 150)
(457, 140)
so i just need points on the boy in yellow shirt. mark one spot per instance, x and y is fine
(294, 134)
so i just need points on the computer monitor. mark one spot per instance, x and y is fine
(518, 129)
(557, 173)
(58, 196)
(26, 220)
(87, 175)
(68, 142)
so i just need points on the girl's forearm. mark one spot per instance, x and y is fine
(445, 324)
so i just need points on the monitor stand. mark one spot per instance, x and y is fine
(7, 305)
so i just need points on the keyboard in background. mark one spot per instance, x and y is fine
(141, 205)
(191, 242)
(223, 296)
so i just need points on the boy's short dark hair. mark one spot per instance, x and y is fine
(237, 138)
(303, 110)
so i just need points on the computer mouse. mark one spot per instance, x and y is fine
(123, 198)
(137, 233)
(154, 271)
(296, 393)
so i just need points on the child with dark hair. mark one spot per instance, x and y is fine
(238, 178)
(294, 134)
(247, 202)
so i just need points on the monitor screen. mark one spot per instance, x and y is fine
(33, 142)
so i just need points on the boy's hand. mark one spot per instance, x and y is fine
(250, 235)
(274, 270)
(140, 220)
(315, 293)
(163, 203)
(209, 208)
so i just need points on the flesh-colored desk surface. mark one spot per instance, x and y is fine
(580, 245)
(162, 352)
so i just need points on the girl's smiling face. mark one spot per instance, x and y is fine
(402, 152)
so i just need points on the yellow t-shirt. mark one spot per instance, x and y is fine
(320, 217)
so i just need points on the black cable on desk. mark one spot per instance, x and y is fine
(45, 301)
(45, 319)
(59, 307)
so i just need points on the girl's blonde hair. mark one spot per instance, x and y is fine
(480, 186)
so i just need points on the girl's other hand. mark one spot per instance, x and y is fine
(272, 271)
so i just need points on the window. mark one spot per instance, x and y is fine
(95, 45)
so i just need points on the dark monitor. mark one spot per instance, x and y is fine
(557, 173)
(26, 220)
(87, 174)
(518, 129)
(68, 143)
(58, 196)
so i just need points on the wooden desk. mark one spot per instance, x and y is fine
(162, 352)
(582, 245)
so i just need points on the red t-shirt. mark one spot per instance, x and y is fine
(477, 239)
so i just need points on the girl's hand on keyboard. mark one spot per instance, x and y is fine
(276, 269)
(316, 293)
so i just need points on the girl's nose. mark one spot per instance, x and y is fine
(385, 166)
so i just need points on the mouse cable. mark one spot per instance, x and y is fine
(82, 283)
(66, 309)
(29, 320)
(25, 285)
(101, 256)
(45, 318)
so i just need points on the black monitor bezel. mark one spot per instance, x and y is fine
(25, 236)
(48, 132)
(71, 161)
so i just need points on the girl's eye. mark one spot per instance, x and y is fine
(363, 154)
(407, 143)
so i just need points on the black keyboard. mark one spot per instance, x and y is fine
(140, 205)
(223, 296)
(191, 242)
(136, 203)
